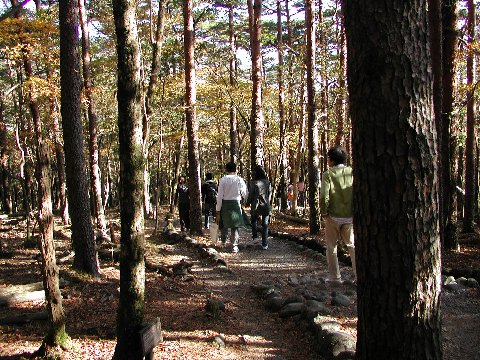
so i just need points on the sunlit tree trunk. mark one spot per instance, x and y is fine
(157, 46)
(281, 107)
(300, 146)
(324, 88)
(340, 100)
(312, 122)
(233, 82)
(177, 164)
(56, 335)
(4, 154)
(256, 118)
(396, 180)
(469, 204)
(60, 156)
(131, 305)
(23, 133)
(95, 175)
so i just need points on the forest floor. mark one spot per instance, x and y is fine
(246, 329)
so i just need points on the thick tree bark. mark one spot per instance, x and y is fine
(469, 204)
(435, 37)
(395, 188)
(82, 231)
(132, 264)
(449, 36)
(312, 122)
(56, 335)
(256, 118)
(95, 175)
(191, 120)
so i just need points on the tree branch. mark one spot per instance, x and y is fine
(13, 10)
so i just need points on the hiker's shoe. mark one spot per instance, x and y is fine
(264, 247)
(334, 281)
(235, 249)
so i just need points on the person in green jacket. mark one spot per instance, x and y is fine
(336, 209)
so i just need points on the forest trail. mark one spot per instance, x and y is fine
(244, 330)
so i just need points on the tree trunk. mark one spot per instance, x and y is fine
(191, 120)
(60, 169)
(132, 265)
(92, 125)
(395, 189)
(82, 231)
(468, 213)
(176, 170)
(158, 185)
(157, 46)
(449, 36)
(56, 335)
(233, 76)
(324, 92)
(288, 126)
(281, 110)
(435, 33)
(459, 182)
(300, 149)
(22, 135)
(4, 183)
(256, 119)
(340, 101)
(313, 174)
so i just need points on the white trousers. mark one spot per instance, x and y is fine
(333, 233)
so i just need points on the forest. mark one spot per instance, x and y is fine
(104, 105)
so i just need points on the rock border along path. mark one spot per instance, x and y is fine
(289, 282)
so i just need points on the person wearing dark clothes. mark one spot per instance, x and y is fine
(182, 199)
(301, 192)
(209, 198)
(258, 198)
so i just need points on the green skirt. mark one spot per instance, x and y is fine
(231, 214)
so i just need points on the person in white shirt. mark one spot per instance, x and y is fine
(231, 190)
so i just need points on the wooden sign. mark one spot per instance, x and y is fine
(150, 336)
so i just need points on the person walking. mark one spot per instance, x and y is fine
(259, 199)
(209, 198)
(290, 195)
(182, 199)
(336, 208)
(301, 192)
(231, 190)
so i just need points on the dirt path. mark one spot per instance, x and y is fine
(245, 330)
(248, 330)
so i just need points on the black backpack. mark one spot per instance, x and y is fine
(211, 193)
